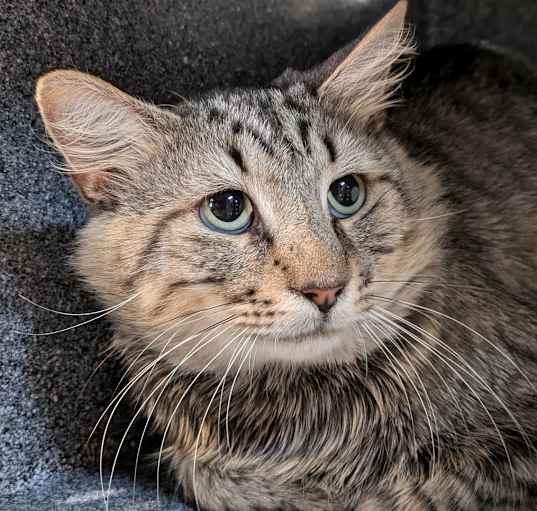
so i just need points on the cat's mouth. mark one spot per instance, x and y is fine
(324, 326)
(316, 333)
(319, 329)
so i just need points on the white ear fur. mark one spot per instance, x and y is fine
(103, 133)
(362, 86)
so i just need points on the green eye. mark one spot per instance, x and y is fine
(228, 212)
(346, 196)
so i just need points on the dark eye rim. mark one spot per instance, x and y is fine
(361, 182)
(214, 228)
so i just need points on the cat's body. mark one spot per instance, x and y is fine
(429, 401)
(317, 438)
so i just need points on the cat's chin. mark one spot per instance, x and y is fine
(322, 345)
(322, 332)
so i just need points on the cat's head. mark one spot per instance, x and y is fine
(252, 218)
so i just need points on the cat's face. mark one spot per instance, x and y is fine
(261, 223)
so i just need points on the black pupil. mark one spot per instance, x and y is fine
(345, 190)
(227, 206)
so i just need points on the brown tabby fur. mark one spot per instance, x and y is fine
(418, 391)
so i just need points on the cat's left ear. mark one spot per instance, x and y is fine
(105, 135)
(362, 86)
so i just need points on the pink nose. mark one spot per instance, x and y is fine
(323, 298)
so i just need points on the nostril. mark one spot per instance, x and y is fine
(325, 298)
(310, 296)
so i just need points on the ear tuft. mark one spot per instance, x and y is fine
(362, 87)
(103, 133)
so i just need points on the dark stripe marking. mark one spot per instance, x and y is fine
(288, 144)
(239, 128)
(183, 283)
(396, 185)
(237, 158)
(264, 103)
(174, 286)
(429, 502)
(380, 248)
(236, 128)
(216, 115)
(330, 148)
(265, 145)
(291, 104)
(151, 244)
(279, 132)
(303, 127)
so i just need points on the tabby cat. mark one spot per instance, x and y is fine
(324, 303)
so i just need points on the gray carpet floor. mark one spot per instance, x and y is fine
(50, 394)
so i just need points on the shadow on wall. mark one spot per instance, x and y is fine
(156, 50)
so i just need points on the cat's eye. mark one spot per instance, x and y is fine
(228, 212)
(346, 196)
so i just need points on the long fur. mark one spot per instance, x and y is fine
(417, 390)
(363, 86)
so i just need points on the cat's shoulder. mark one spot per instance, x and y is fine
(472, 67)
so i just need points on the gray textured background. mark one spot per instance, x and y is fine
(155, 49)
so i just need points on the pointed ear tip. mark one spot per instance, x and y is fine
(401, 8)
(62, 76)
(398, 11)
(61, 85)
(47, 83)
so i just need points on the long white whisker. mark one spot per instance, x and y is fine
(144, 370)
(127, 388)
(238, 350)
(447, 361)
(398, 374)
(222, 382)
(185, 320)
(393, 333)
(473, 372)
(228, 443)
(116, 307)
(63, 313)
(140, 409)
(93, 373)
(480, 336)
(418, 394)
(174, 411)
(452, 213)
(364, 354)
(142, 392)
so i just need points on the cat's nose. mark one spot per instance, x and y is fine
(325, 299)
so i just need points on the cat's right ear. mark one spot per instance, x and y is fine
(104, 134)
(362, 86)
